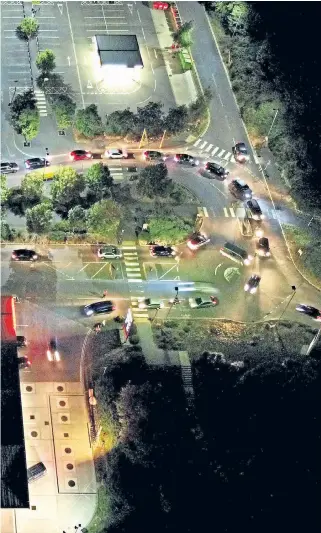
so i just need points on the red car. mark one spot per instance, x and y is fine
(77, 155)
(160, 5)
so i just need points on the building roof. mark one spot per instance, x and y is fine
(14, 483)
(119, 50)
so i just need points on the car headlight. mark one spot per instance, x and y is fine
(49, 356)
(246, 287)
(267, 254)
(253, 290)
(197, 162)
(142, 305)
(57, 355)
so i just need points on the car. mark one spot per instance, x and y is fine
(218, 170)
(162, 251)
(109, 252)
(186, 159)
(199, 303)
(96, 308)
(23, 254)
(240, 189)
(37, 162)
(240, 152)
(313, 312)
(152, 155)
(252, 284)
(24, 363)
(21, 341)
(263, 247)
(52, 350)
(253, 210)
(147, 303)
(115, 153)
(197, 240)
(9, 168)
(78, 155)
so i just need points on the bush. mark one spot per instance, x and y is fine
(134, 339)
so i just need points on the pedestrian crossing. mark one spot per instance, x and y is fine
(231, 212)
(132, 265)
(116, 173)
(41, 103)
(140, 315)
(210, 149)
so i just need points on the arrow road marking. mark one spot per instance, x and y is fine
(218, 266)
(60, 7)
(68, 58)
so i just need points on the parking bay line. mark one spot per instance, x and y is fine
(92, 277)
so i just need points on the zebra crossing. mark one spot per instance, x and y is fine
(210, 149)
(117, 173)
(140, 315)
(41, 103)
(132, 265)
(231, 212)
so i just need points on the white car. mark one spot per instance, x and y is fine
(109, 252)
(147, 303)
(115, 153)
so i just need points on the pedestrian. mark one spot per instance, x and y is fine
(105, 293)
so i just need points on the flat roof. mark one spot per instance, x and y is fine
(119, 50)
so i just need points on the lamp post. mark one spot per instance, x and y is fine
(293, 287)
(276, 114)
(173, 302)
(14, 92)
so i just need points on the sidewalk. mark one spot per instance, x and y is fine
(183, 86)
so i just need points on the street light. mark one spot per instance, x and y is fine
(276, 113)
(14, 92)
(293, 287)
(173, 302)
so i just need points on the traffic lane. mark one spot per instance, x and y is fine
(212, 74)
(28, 280)
(40, 324)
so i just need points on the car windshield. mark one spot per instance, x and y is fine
(198, 300)
(242, 148)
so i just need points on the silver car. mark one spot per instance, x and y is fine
(109, 252)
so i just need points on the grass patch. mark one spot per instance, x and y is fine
(93, 268)
(309, 242)
(101, 518)
(48, 172)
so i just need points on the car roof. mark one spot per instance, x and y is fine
(263, 241)
(115, 150)
(212, 164)
(253, 202)
(99, 305)
(161, 247)
(79, 151)
(152, 152)
(24, 250)
(241, 183)
(34, 159)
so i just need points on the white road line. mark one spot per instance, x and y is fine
(134, 280)
(74, 48)
(221, 153)
(205, 211)
(209, 148)
(203, 145)
(132, 269)
(225, 211)
(215, 150)
(133, 275)
(200, 211)
(232, 212)
(197, 142)
(129, 248)
(227, 156)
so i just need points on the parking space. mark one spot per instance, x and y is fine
(161, 271)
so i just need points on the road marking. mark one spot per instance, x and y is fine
(232, 212)
(205, 211)
(129, 248)
(134, 280)
(197, 142)
(221, 153)
(218, 266)
(208, 148)
(227, 156)
(215, 150)
(74, 48)
(225, 211)
(203, 145)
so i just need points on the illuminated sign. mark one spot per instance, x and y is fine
(128, 323)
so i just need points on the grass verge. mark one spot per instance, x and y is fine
(100, 520)
(305, 245)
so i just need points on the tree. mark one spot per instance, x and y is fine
(88, 122)
(77, 217)
(234, 16)
(29, 123)
(198, 108)
(259, 120)
(120, 123)
(169, 230)
(133, 410)
(16, 201)
(99, 181)
(27, 29)
(32, 187)
(46, 61)
(38, 218)
(21, 102)
(64, 108)
(66, 189)
(150, 117)
(176, 119)
(153, 181)
(4, 191)
(182, 35)
(104, 218)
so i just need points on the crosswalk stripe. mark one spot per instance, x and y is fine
(132, 269)
(205, 211)
(135, 274)
(215, 150)
(130, 253)
(209, 148)
(129, 247)
(203, 145)
(227, 156)
(221, 153)
(225, 211)
(232, 212)
(197, 142)
(134, 280)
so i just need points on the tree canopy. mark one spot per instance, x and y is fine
(39, 217)
(88, 122)
(66, 189)
(45, 61)
(153, 181)
(183, 35)
(169, 230)
(32, 186)
(29, 123)
(99, 181)
(104, 218)
(27, 29)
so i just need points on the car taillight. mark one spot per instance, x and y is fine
(35, 256)
(14, 255)
(113, 307)
(175, 158)
(71, 157)
(88, 155)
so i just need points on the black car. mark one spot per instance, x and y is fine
(37, 162)
(240, 189)
(252, 284)
(218, 170)
(24, 363)
(253, 210)
(152, 155)
(162, 251)
(24, 255)
(99, 307)
(186, 159)
(21, 341)
(313, 312)
(263, 247)
(9, 168)
(240, 152)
